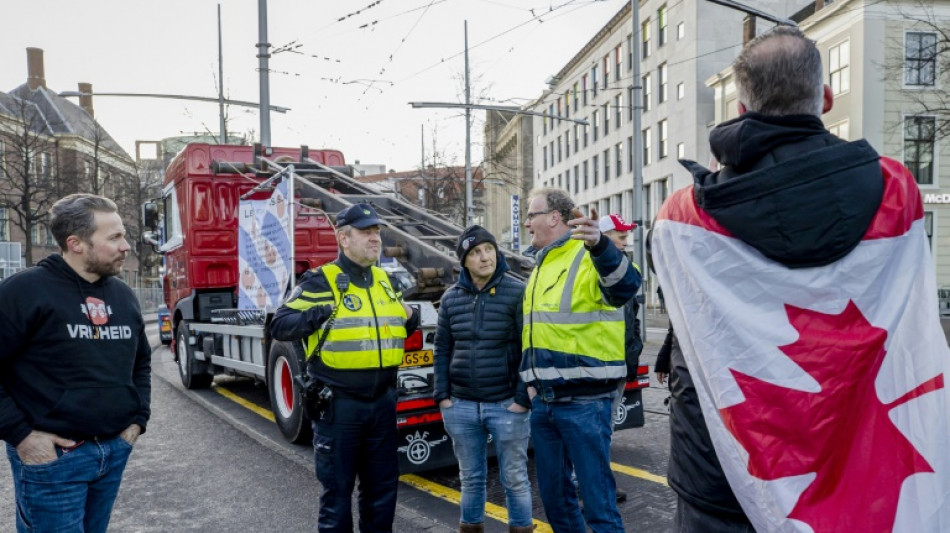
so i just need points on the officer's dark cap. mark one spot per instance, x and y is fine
(360, 216)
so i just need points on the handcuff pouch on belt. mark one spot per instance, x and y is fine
(316, 396)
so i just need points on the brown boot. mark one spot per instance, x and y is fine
(521, 529)
(471, 528)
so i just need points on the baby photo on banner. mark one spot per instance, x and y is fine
(264, 252)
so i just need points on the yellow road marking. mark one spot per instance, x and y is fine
(636, 472)
(493, 511)
(496, 512)
(253, 407)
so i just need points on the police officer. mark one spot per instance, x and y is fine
(354, 324)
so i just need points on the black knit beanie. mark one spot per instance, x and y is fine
(470, 238)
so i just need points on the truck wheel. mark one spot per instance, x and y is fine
(285, 362)
(186, 362)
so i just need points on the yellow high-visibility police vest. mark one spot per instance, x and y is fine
(369, 330)
(565, 315)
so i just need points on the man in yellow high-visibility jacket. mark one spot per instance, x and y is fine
(356, 434)
(573, 359)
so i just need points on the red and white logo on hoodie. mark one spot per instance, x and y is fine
(97, 311)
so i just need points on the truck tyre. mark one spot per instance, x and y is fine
(191, 378)
(285, 362)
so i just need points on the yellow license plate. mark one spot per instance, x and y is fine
(417, 358)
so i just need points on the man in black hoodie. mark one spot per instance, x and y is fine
(74, 372)
(354, 324)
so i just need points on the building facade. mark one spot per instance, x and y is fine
(883, 63)
(50, 147)
(508, 165)
(681, 44)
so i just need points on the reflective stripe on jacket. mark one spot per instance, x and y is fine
(370, 325)
(571, 336)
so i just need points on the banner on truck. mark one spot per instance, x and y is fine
(264, 252)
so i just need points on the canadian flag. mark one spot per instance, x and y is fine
(823, 388)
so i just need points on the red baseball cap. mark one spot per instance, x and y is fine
(614, 222)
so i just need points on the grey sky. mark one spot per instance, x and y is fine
(412, 46)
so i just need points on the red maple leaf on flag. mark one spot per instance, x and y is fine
(841, 433)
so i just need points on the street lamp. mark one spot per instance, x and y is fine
(240, 103)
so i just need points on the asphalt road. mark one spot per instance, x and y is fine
(211, 461)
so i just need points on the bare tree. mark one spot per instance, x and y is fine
(921, 63)
(30, 181)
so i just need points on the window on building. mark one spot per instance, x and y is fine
(646, 146)
(596, 122)
(545, 165)
(559, 152)
(4, 225)
(630, 53)
(627, 213)
(618, 159)
(560, 183)
(647, 91)
(586, 174)
(618, 61)
(3, 160)
(551, 151)
(606, 165)
(662, 79)
(586, 132)
(595, 162)
(661, 26)
(929, 228)
(576, 179)
(584, 89)
(606, 70)
(680, 90)
(662, 190)
(645, 38)
(630, 153)
(618, 110)
(630, 107)
(841, 129)
(574, 92)
(680, 30)
(567, 104)
(43, 167)
(920, 58)
(576, 139)
(567, 144)
(648, 203)
(839, 68)
(663, 144)
(593, 79)
(919, 136)
(606, 108)
(680, 151)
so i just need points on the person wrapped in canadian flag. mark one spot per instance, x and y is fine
(800, 283)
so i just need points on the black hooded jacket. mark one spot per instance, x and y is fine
(478, 343)
(801, 197)
(75, 360)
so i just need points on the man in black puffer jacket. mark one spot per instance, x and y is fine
(477, 386)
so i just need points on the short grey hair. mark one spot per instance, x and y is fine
(75, 215)
(779, 73)
(557, 199)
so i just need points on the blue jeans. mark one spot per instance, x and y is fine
(470, 424)
(575, 436)
(74, 493)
